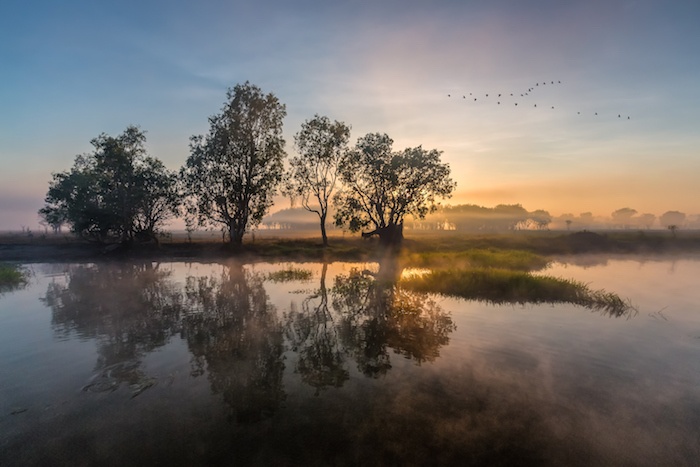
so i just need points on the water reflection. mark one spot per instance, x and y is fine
(314, 333)
(369, 315)
(548, 387)
(130, 310)
(233, 333)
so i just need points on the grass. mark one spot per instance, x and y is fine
(518, 260)
(11, 277)
(509, 286)
(290, 274)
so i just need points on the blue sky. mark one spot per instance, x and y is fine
(74, 69)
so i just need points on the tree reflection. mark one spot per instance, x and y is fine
(313, 333)
(233, 333)
(370, 315)
(130, 309)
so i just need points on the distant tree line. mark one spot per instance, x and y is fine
(119, 193)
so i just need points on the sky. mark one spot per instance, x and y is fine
(72, 70)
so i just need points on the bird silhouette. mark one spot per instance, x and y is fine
(449, 95)
(535, 105)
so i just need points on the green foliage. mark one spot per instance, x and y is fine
(381, 187)
(312, 177)
(233, 172)
(508, 286)
(115, 192)
(290, 274)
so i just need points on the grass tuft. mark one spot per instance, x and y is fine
(290, 274)
(11, 277)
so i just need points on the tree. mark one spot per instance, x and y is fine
(672, 220)
(541, 219)
(647, 220)
(381, 187)
(116, 192)
(313, 174)
(233, 172)
(623, 217)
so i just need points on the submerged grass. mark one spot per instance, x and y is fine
(290, 274)
(509, 286)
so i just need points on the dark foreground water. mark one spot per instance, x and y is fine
(201, 364)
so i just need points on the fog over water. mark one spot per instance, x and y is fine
(306, 363)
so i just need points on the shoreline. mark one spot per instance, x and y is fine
(304, 247)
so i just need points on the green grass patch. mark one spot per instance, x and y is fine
(517, 260)
(508, 286)
(11, 277)
(290, 274)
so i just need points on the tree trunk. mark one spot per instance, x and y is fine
(324, 236)
(235, 235)
(391, 235)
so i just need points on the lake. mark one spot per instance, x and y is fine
(310, 364)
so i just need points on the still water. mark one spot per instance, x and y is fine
(224, 363)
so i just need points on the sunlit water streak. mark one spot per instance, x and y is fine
(194, 363)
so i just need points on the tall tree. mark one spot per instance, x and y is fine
(313, 173)
(381, 187)
(117, 192)
(233, 172)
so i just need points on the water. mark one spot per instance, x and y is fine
(210, 363)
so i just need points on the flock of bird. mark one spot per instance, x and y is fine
(501, 98)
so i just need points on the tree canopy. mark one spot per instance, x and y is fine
(381, 186)
(117, 192)
(233, 172)
(313, 173)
